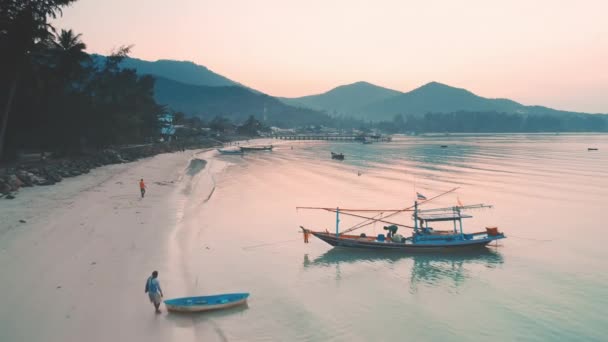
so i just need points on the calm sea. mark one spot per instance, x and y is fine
(547, 281)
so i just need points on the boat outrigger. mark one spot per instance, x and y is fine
(423, 239)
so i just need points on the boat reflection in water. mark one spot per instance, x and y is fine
(430, 270)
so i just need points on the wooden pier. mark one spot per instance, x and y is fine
(332, 137)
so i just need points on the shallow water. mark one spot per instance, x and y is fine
(547, 281)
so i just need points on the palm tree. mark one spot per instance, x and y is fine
(23, 24)
(68, 51)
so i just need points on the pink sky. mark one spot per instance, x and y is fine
(552, 53)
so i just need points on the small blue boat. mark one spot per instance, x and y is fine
(225, 151)
(206, 303)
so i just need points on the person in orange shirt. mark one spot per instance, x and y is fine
(142, 187)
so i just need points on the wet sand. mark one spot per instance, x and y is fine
(76, 269)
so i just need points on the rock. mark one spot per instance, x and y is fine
(46, 182)
(22, 221)
(14, 182)
(4, 187)
(9, 196)
(25, 177)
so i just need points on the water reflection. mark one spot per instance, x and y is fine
(432, 270)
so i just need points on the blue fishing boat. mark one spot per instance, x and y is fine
(226, 151)
(424, 238)
(206, 303)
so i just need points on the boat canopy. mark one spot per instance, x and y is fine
(453, 216)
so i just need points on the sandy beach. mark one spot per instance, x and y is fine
(75, 256)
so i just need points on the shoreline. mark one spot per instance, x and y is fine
(77, 262)
(40, 171)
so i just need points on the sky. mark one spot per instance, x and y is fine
(537, 52)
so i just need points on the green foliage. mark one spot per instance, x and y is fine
(64, 100)
(221, 124)
(250, 127)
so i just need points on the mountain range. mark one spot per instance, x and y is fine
(432, 97)
(196, 90)
(234, 102)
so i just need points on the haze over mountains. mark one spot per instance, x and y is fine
(234, 102)
(181, 71)
(196, 90)
(432, 97)
(346, 99)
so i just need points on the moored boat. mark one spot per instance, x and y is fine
(424, 238)
(257, 148)
(206, 303)
(232, 151)
(338, 156)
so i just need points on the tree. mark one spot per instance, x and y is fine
(250, 127)
(220, 124)
(23, 25)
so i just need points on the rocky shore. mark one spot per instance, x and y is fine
(51, 171)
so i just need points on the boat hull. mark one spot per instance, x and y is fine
(263, 148)
(421, 247)
(229, 151)
(206, 303)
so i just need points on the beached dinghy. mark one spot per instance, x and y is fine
(227, 151)
(206, 303)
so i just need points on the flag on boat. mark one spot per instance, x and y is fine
(420, 196)
(459, 203)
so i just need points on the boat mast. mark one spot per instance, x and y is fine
(337, 222)
(416, 216)
(459, 219)
(454, 210)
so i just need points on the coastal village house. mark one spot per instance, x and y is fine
(167, 129)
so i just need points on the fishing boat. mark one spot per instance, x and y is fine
(424, 238)
(592, 149)
(257, 148)
(226, 151)
(338, 156)
(206, 303)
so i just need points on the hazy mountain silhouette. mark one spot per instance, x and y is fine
(181, 71)
(369, 102)
(344, 99)
(360, 100)
(437, 98)
(234, 102)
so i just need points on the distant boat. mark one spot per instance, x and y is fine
(206, 303)
(444, 146)
(223, 151)
(592, 149)
(257, 148)
(338, 156)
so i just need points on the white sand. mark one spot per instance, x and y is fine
(75, 271)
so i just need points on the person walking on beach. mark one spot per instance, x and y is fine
(142, 187)
(155, 293)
